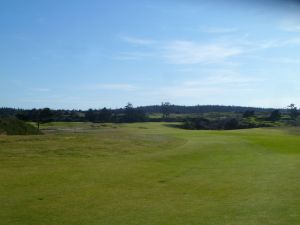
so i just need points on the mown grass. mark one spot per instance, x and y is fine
(150, 174)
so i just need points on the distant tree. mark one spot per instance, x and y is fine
(132, 114)
(90, 115)
(74, 116)
(44, 116)
(248, 113)
(105, 115)
(129, 113)
(275, 115)
(293, 111)
(166, 109)
(22, 116)
(129, 106)
(33, 115)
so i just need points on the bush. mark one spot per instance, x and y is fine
(230, 124)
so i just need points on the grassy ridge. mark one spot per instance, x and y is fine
(12, 126)
(150, 174)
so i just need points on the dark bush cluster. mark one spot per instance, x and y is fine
(206, 124)
(222, 124)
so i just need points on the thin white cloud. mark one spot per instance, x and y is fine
(284, 60)
(220, 51)
(112, 87)
(276, 43)
(132, 56)
(224, 79)
(220, 82)
(293, 41)
(120, 87)
(218, 30)
(187, 52)
(52, 99)
(137, 41)
(40, 89)
(291, 24)
(183, 91)
(250, 46)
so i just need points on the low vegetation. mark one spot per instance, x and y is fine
(229, 123)
(12, 126)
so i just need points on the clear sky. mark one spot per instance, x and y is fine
(95, 53)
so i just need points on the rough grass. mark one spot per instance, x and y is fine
(148, 174)
(12, 126)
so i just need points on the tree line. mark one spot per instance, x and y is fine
(124, 115)
(129, 113)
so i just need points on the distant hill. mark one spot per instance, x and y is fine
(203, 109)
(12, 126)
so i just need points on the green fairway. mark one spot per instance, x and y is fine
(150, 174)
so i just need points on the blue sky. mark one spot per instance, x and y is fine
(91, 54)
